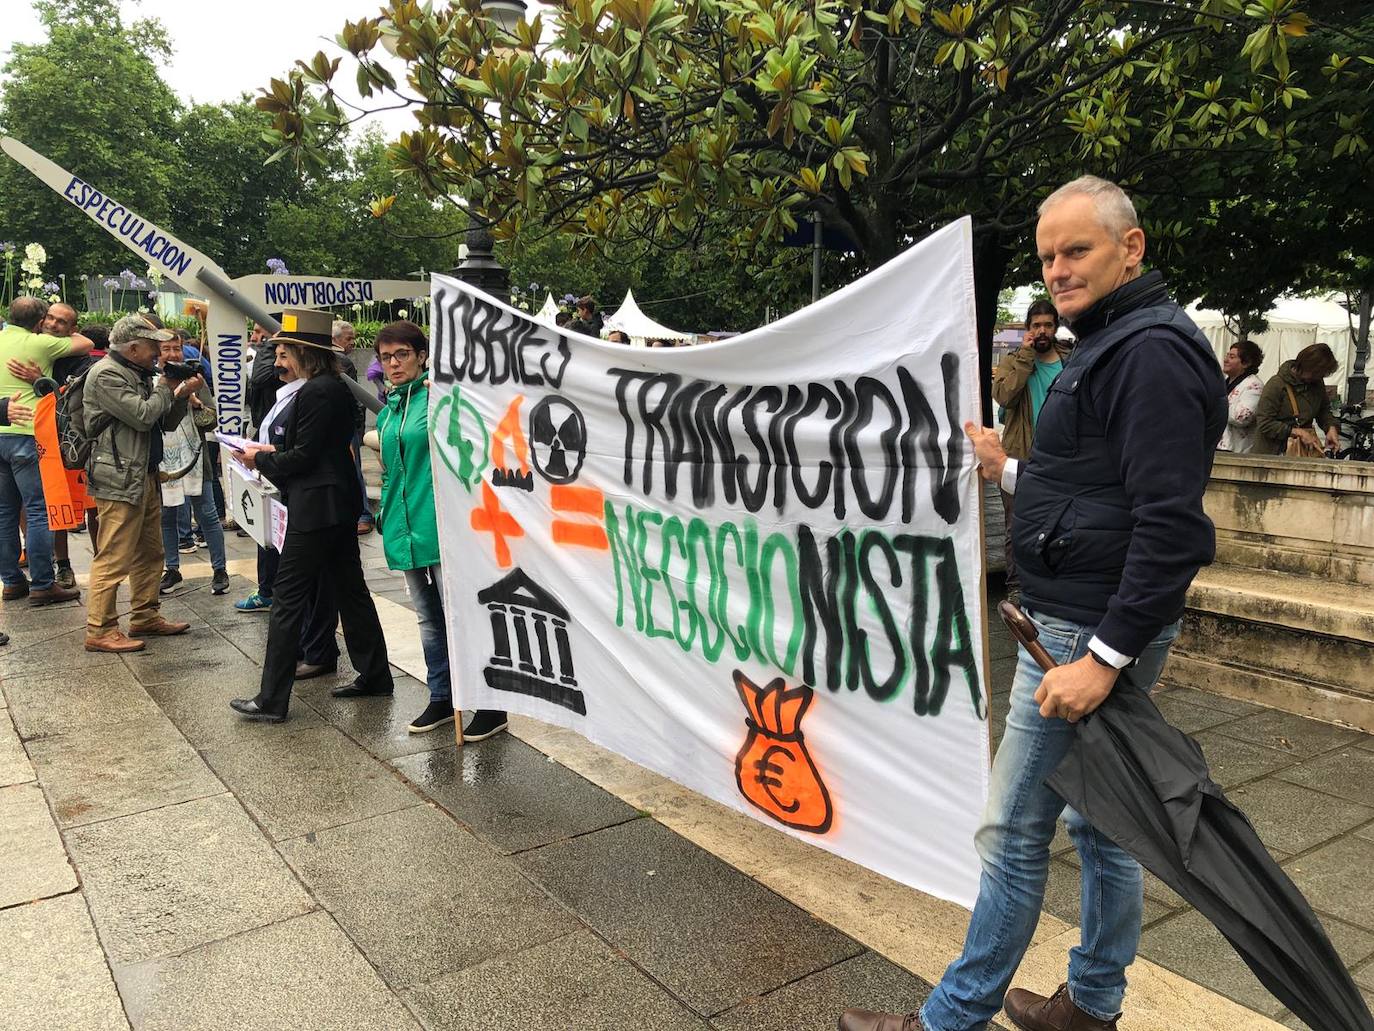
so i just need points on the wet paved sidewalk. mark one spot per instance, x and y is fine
(169, 866)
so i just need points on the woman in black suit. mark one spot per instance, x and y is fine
(313, 468)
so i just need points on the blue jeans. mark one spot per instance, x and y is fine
(21, 489)
(429, 610)
(1014, 846)
(206, 517)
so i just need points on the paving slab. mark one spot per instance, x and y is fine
(814, 1003)
(162, 882)
(66, 653)
(55, 972)
(1335, 880)
(32, 858)
(1188, 717)
(1293, 818)
(1190, 945)
(297, 974)
(1346, 773)
(1288, 733)
(307, 780)
(200, 710)
(15, 767)
(513, 796)
(378, 724)
(44, 703)
(1294, 1022)
(195, 655)
(421, 896)
(576, 983)
(1231, 706)
(1234, 762)
(658, 898)
(101, 771)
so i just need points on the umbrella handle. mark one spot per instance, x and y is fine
(1024, 631)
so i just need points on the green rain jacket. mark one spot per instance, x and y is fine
(410, 533)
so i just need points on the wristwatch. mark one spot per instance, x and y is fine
(1102, 662)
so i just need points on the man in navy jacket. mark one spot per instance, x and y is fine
(1108, 534)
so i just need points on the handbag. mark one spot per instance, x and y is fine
(1298, 448)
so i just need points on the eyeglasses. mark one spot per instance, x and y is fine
(396, 357)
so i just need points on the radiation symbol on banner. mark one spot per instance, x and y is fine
(558, 439)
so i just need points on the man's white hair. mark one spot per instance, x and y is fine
(1114, 208)
(339, 326)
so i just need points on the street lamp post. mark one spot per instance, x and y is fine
(506, 13)
(480, 267)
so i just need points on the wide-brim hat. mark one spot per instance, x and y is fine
(308, 327)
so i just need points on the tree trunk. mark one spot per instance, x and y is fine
(991, 256)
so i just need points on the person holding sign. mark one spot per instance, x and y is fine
(1108, 534)
(410, 531)
(313, 468)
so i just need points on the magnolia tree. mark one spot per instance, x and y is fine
(624, 122)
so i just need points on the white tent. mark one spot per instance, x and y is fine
(550, 310)
(629, 319)
(1294, 323)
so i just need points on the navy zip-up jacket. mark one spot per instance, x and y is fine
(1108, 525)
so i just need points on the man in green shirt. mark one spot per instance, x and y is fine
(21, 488)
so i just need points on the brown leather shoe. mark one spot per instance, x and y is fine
(162, 628)
(54, 595)
(864, 1020)
(114, 641)
(1032, 1012)
(19, 590)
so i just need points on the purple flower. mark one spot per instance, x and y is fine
(569, 298)
(50, 288)
(7, 247)
(534, 287)
(111, 284)
(127, 276)
(277, 267)
(152, 295)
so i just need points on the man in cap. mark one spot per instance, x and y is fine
(126, 407)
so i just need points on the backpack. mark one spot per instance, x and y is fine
(74, 438)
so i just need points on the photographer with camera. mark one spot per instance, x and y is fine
(186, 473)
(126, 407)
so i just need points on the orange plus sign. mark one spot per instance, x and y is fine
(491, 517)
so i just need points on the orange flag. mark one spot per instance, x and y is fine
(63, 489)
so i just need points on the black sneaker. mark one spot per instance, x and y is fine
(485, 723)
(436, 714)
(169, 581)
(219, 583)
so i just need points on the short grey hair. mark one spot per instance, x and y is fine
(1114, 208)
(339, 326)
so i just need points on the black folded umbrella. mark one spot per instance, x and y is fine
(1146, 786)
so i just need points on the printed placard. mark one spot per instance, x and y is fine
(752, 566)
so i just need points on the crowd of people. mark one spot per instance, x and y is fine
(140, 396)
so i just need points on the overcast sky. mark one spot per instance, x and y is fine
(221, 49)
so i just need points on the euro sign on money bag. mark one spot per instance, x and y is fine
(774, 770)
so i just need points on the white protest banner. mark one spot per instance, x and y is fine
(752, 566)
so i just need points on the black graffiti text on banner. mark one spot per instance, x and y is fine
(478, 342)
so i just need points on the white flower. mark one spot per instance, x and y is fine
(402, 312)
(53, 298)
(154, 275)
(35, 252)
(357, 307)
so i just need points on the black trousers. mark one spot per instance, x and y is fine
(311, 559)
(319, 646)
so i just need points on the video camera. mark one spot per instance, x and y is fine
(178, 372)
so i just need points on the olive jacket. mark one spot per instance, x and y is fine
(123, 406)
(1274, 418)
(1009, 391)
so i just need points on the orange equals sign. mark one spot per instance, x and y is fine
(584, 501)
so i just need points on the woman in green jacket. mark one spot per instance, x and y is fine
(410, 532)
(1298, 382)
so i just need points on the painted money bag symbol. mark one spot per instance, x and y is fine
(774, 770)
